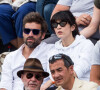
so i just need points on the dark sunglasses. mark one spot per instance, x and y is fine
(37, 76)
(61, 56)
(55, 25)
(56, 57)
(34, 31)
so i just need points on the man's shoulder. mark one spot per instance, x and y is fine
(85, 85)
(14, 54)
(46, 46)
(59, 88)
(90, 85)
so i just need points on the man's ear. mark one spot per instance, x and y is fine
(43, 35)
(71, 69)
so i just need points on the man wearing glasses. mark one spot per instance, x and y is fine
(61, 67)
(33, 74)
(34, 30)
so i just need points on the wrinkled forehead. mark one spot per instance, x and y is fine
(57, 64)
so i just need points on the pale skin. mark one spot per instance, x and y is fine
(13, 0)
(26, 50)
(92, 28)
(83, 19)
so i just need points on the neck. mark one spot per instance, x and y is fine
(69, 84)
(67, 41)
(27, 51)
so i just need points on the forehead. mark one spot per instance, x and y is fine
(59, 20)
(33, 25)
(57, 64)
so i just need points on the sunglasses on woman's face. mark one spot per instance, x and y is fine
(62, 24)
(37, 76)
(34, 31)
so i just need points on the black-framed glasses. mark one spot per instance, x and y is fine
(66, 58)
(57, 56)
(34, 31)
(62, 24)
(37, 76)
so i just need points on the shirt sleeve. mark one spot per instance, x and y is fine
(65, 2)
(6, 75)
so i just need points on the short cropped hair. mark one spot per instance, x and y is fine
(65, 16)
(37, 18)
(67, 60)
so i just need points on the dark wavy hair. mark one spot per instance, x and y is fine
(37, 18)
(66, 59)
(66, 16)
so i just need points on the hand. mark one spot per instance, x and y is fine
(43, 87)
(46, 85)
(13, 0)
(2, 89)
(83, 19)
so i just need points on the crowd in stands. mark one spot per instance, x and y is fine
(11, 17)
(69, 55)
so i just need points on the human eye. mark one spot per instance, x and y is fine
(52, 71)
(59, 70)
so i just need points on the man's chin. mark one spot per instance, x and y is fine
(59, 83)
(33, 88)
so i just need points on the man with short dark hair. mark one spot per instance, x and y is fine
(33, 74)
(61, 67)
(34, 30)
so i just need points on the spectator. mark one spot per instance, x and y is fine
(45, 8)
(61, 67)
(72, 44)
(65, 27)
(95, 22)
(7, 32)
(24, 7)
(91, 29)
(34, 30)
(13, 20)
(95, 70)
(33, 74)
(82, 10)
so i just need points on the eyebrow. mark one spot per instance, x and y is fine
(58, 68)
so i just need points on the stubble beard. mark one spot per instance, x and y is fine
(33, 44)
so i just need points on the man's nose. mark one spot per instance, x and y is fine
(33, 78)
(56, 75)
(31, 33)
